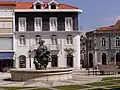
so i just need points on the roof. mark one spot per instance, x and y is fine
(7, 3)
(113, 27)
(29, 5)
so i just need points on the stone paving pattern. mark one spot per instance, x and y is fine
(79, 78)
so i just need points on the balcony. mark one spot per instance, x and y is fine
(53, 47)
(49, 46)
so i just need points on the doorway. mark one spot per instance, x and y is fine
(54, 62)
(118, 58)
(104, 61)
(69, 60)
(90, 60)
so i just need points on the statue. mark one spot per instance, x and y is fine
(42, 56)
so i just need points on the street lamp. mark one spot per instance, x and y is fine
(29, 52)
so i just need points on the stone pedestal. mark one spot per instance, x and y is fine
(41, 75)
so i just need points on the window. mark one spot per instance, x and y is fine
(69, 39)
(53, 24)
(38, 24)
(5, 24)
(68, 24)
(22, 24)
(22, 40)
(103, 42)
(117, 41)
(37, 39)
(54, 39)
(38, 6)
(90, 44)
(6, 43)
(53, 6)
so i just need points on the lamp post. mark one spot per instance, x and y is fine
(29, 57)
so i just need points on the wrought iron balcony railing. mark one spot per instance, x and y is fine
(49, 46)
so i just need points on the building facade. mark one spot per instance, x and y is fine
(55, 23)
(83, 50)
(103, 45)
(6, 34)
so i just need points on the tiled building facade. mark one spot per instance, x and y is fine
(103, 45)
(53, 22)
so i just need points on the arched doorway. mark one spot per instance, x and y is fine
(118, 58)
(90, 60)
(22, 61)
(104, 60)
(54, 62)
(69, 60)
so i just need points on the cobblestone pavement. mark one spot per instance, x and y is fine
(77, 79)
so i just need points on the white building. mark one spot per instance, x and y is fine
(53, 22)
(6, 34)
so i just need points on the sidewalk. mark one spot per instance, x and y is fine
(77, 79)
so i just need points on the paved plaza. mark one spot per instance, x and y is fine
(78, 78)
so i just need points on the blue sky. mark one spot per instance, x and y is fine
(96, 13)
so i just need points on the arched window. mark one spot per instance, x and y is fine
(117, 41)
(22, 40)
(54, 40)
(104, 59)
(103, 41)
(69, 39)
(37, 39)
(22, 61)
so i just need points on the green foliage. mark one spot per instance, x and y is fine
(99, 84)
(115, 87)
(110, 78)
(14, 88)
(69, 51)
(71, 87)
(41, 89)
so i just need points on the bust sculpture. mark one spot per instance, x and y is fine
(42, 56)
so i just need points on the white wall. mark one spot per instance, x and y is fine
(46, 36)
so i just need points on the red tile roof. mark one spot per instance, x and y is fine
(113, 27)
(29, 5)
(7, 3)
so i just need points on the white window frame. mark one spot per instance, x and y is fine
(54, 40)
(38, 2)
(22, 27)
(103, 41)
(50, 22)
(22, 40)
(39, 26)
(68, 27)
(37, 39)
(117, 41)
(69, 40)
(53, 2)
(6, 24)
